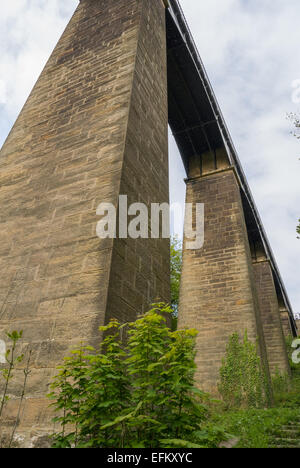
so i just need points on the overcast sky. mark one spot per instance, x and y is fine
(251, 51)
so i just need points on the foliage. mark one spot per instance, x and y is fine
(289, 396)
(255, 427)
(139, 394)
(12, 360)
(286, 389)
(176, 266)
(92, 388)
(243, 382)
(280, 382)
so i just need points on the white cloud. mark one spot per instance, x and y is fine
(29, 30)
(296, 91)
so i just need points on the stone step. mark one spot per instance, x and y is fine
(291, 431)
(282, 441)
(291, 428)
(287, 437)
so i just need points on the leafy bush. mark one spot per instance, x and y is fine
(286, 389)
(138, 394)
(243, 382)
(281, 383)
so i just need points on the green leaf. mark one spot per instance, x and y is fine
(178, 443)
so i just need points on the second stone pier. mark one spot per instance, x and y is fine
(218, 295)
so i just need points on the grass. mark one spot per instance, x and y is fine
(256, 428)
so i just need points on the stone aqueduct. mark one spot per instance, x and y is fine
(96, 126)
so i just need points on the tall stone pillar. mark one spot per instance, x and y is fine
(269, 309)
(94, 127)
(217, 294)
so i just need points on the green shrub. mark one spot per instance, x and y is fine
(281, 383)
(140, 394)
(287, 390)
(243, 382)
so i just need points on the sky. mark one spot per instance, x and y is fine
(250, 51)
